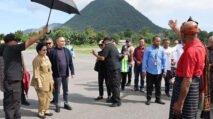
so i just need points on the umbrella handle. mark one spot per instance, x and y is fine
(49, 17)
(50, 12)
(49, 32)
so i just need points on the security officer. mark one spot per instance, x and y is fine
(13, 72)
(111, 59)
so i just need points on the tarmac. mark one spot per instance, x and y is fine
(82, 91)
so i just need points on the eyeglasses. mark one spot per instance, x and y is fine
(48, 43)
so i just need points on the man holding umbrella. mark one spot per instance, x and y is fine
(11, 52)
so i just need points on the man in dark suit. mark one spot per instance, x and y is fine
(61, 60)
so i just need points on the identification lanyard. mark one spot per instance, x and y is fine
(156, 55)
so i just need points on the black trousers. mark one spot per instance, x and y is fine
(23, 98)
(57, 83)
(153, 80)
(102, 75)
(123, 82)
(12, 99)
(115, 82)
(130, 75)
(167, 81)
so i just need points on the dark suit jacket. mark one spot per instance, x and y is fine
(53, 56)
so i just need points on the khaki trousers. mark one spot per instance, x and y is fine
(44, 98)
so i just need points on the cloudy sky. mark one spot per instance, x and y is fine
(23, 14)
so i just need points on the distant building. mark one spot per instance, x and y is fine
(122, 42)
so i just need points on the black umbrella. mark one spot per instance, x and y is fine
(67, 6)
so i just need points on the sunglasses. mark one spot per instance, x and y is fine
(48, 43)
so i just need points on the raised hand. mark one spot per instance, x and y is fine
(45, 29)
(173, 24)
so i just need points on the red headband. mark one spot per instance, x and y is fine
(191, 30)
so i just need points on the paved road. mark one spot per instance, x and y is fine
(82, 91)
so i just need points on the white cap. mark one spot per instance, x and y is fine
(100, 42)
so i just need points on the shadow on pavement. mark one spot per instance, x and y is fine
(81, 99)
(93, 86)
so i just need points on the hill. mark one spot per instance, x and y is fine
(112, 16)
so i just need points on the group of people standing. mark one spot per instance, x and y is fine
(152, 62)
(186, 61)
(51, 68)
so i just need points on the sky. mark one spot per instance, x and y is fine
(24, 14)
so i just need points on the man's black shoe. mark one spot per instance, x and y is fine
(98, 98)
(115, 105)
(168, 95)
(136, 89)
(68, 107)
(148, 102)
(128, 84)
(57, 109)
(109, 100)
(48, 114)
(41, 117)
(25, 103)
(159, 102)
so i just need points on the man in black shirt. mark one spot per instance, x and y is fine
(61, 60)
(112, 64)
(102, 75)
(13, 73)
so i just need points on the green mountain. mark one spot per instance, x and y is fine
(50, 27)
(112, 16)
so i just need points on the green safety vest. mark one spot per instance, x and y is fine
(125, 64)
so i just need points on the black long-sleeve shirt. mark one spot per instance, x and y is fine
(53, 56)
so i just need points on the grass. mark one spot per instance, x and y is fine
(86, 46)
(32, 47)
(83, 51)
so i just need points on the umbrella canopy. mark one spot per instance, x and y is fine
(67, 6)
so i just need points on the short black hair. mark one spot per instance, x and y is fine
(40, 46)
(107, 38)
(165, 39)
(11, 37)
(155, 37)
(48, 38)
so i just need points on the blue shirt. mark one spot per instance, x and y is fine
(151, 55)
(70, 48)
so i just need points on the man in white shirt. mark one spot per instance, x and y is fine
(168, 52)
(175, 42)
(177, 52)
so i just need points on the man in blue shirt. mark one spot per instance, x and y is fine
(70, 48)
(154, 61)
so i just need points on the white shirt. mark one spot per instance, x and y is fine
(177, 52)
(168, 53)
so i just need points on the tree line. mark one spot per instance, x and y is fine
(89, 36)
